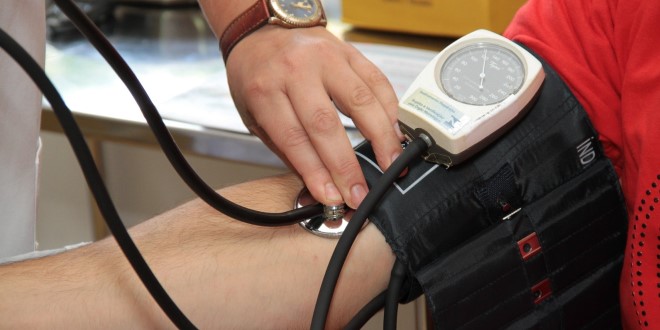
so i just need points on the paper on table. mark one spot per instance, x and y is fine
(191, 89)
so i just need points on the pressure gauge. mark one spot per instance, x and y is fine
(482, 74)
(470, 94)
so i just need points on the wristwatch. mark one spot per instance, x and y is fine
(285, 13)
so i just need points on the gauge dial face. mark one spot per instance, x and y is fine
(297, 12)
(482, 74)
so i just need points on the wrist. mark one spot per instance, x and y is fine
(285, 13)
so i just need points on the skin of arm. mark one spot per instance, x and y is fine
(286, 83)
(222, 273)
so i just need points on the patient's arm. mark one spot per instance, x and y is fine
(221, 273)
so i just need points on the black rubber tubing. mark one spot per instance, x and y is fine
(94, 180)
(413, 151)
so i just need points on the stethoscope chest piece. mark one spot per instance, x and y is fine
(330, 224)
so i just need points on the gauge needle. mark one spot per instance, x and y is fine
(482, 75)
(302, 5)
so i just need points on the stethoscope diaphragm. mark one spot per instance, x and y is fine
(330, 224)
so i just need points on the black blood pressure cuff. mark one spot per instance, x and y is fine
(529, 233)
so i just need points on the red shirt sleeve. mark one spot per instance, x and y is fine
(608, 53)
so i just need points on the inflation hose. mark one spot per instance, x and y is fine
(393, 294)
(388, 299)
(367, 312)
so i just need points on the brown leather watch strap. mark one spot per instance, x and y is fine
(250, 20)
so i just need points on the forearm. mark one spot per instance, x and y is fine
(220, 272)
(65, 289)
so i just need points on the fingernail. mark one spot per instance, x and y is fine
(332, 193)
(397, 129)
(358, 192)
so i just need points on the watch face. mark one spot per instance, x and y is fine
(482, 74)
(297, 12)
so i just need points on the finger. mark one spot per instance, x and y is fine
(276, 117)
(320, 119)
(357, 101)
(379, 84)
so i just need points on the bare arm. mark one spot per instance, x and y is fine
(222, 273)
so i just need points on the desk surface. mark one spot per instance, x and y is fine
(175, 55)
